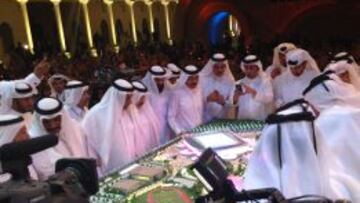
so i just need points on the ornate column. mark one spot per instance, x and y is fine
(133, 23)
(231, 25)
(151, 16)
(59, 23)
(84, 5)
(109, 4)
(165, 3)
(27, 24)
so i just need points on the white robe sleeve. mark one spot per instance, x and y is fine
(172, 112)
(7, 86)
(43, 166)
(278, 96)
(269, 69)
(214, 110)
(265, 95)
(92, 152)
(5, 95)
(32, 80)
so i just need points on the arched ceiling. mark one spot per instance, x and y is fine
(263, 19)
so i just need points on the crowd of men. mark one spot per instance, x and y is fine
(308, 146)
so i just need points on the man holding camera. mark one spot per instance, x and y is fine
(217, 83)
(253, 93)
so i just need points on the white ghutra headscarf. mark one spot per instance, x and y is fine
(110, 129)
(72, 142)
(282, 48)
(342, 66)
(147, 123)
(210, 83)
(53, 93)
(186, 105)
(155, 72)
(10, 125)
(73, 92)
(259, 106)
(207, 71)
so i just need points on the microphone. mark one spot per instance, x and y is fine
(19, 150)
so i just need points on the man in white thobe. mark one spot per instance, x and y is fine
(301, 69)
(186, 104)
(289, 155)
(279, 60)
(57, 83)
(217, 83)
(253, 94)
(155, 81)
(21, 102)
(327, 90)
(174, 74)
(110, 130)
(76, 99)
(13, 129)
(345, 56)
(346, 70)
(147, 130)
(51, 120)
(17, 96)
(338, 104)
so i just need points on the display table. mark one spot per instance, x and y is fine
(164, 174)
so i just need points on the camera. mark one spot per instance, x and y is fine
(74, 179)
(239, 87)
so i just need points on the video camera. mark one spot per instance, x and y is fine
(211, 170)
(74, 181)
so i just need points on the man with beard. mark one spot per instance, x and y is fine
(57, 83)
(186, 104)
(147, 132)
(289, 86)
(50, 118)
(155, 81)
(21, 104)
(16, 97)
(76, 99)
(253, 94)
(217, 83)
(110, 130)
(174, 74)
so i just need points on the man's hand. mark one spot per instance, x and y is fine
(237, 96)
(213, 96)
(42, 68)
(249, 90)
(275, 72)
(220, 99)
